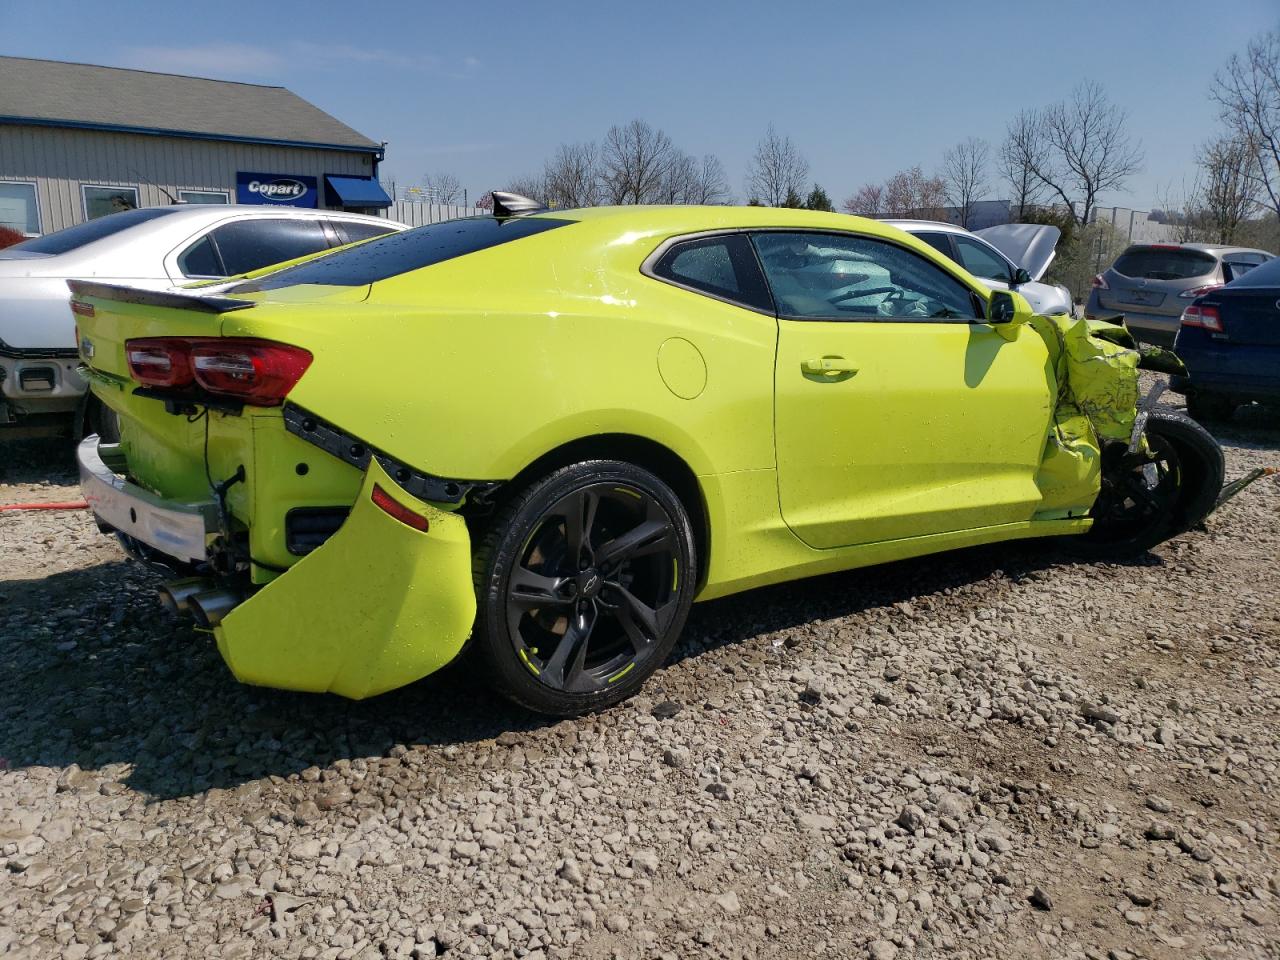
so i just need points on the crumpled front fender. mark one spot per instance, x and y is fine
(378, 606)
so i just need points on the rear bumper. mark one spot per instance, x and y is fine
(1154, 328)
(178, 530)
(378, 605)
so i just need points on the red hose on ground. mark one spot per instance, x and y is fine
(68, 505)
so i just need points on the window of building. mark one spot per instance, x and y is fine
(248, 245)
(18, 207)
(204, 196)
(103, 201)
(827, 276)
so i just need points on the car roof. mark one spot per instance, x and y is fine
(200, 212)
(911, 226)
(688, 218)
(1217, 249)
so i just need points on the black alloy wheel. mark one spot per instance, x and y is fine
(588, 601)
(1148, 496)
(1138, 494)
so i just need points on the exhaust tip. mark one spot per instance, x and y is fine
(177, 595)
(210, 607)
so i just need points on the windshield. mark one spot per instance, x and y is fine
(1265, 275)
(73, 238)
(399, 253)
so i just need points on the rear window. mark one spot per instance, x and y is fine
(1267, 275)
(72, 238)
(403, 252)
(1164, 263)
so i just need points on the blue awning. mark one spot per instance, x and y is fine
(355, 192)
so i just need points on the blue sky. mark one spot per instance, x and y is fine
(487, 89)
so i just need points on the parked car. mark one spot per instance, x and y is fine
(1011, 256)
(1152, 283)
(1229, 340)
(551, 433)
(153, 248)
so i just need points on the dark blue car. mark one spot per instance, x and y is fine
(1230, 341)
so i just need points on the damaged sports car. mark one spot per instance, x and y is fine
(539, 436)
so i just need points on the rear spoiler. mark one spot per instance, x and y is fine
(156, 298)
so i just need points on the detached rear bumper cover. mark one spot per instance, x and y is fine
(178, 530)
(378, 606)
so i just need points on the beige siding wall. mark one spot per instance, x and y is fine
(58, 161)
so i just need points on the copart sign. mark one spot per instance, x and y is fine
(277, 189)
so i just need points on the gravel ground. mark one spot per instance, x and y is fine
(994, 753)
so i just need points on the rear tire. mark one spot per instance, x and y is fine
(1208, 407)
(584, 580)
(1145, 501)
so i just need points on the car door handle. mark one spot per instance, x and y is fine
(828, 366)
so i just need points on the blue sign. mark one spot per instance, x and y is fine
(276, 189)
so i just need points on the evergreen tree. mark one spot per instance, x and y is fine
(818, 200)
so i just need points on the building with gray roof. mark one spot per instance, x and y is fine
(78, 141)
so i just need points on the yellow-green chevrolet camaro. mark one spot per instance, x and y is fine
(550, 433)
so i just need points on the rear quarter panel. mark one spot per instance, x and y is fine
(475, 367)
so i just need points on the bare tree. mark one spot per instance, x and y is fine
(1089, 151)
(635, 162)
(776, 170)
(1023, 152)
(572, 177)
(442, 188)
(690, 180)
(867, 202)
(909, 193)
(1231, 189)
(1248, 91)
(964, 171)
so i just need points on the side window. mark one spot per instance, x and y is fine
(939, 242)
(248, 245)
(982, 261)
(200, 260)
(723, 266)
(349, 231)
(826, 276)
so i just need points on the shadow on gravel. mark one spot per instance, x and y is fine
(37, 461)
(98, 674)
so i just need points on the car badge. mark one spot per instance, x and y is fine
(86, 348)
(1278, 304)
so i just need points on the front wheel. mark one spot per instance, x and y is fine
(583, 581)
(1148, 497)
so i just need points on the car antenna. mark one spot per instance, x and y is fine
(172, 199)
(513, 205)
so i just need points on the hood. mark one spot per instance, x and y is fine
(1029, 245)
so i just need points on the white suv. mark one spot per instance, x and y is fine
(156, 248)
(995, 255)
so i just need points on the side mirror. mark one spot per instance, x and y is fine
(1020, 276)
(1002, 309)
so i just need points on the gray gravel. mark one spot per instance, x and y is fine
(998, 752)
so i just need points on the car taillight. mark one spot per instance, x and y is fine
(394, 508)
(256, 372)
(1198, 291)
(259, 372)
(1202, 316)
(160, 362)
(1100, 282)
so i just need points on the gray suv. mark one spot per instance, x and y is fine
(1152, 283)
